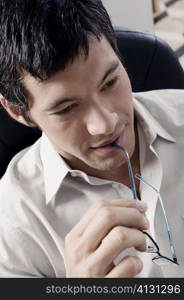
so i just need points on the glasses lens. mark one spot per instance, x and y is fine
(162, 261)
(151, 248)
(158, 259)
(150, 244)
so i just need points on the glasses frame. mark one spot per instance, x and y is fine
(134, 193)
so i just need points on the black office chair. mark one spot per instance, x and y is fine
(150, 64)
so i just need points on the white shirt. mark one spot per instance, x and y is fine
(42, 198)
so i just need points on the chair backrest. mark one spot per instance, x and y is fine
(150, 64)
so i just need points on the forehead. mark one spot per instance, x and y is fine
(82, 69)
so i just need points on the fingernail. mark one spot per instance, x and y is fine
(141, 205)
(139, 263)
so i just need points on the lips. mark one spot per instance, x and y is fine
(106, 143)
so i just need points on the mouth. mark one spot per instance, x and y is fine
(107, 147)
(106, 144)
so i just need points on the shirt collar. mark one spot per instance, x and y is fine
(55, 168)
(53, 165)
(150, 125)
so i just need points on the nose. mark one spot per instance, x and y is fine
(101, 121)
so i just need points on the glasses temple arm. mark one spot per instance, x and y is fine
(165, 216)
(130, 172)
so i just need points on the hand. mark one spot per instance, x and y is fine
(107, 228)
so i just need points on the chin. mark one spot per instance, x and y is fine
(108, 165)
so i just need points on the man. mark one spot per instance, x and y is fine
(66, 204)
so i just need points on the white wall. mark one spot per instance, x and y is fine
(134, 14)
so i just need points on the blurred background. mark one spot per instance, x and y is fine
(164, 18)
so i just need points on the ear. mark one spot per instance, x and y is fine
(14, 112)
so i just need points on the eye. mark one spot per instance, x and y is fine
(65, 110)
(110, 83)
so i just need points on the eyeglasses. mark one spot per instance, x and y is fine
(153, 246)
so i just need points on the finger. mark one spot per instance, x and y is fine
(118, 240)
(130, 266)
(109, 218)
(80, 227)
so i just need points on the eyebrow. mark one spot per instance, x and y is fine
(112, 68)
(57, 103)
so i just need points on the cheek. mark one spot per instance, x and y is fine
(70, 133)
(124, 103)
(123, 95)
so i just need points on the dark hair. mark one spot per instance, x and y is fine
(43, 37)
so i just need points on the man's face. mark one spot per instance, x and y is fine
(84, 106)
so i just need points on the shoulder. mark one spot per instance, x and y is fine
(162, 99)
(165, 106)
(22, 175)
